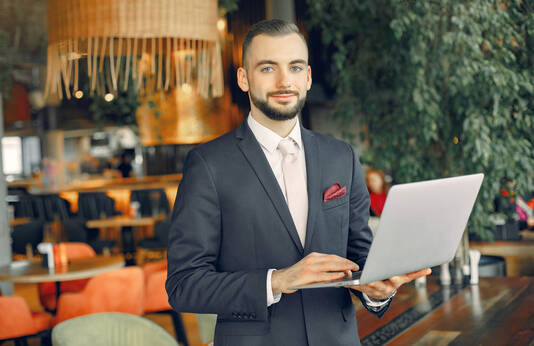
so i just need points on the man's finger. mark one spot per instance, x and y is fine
(324, 262)
(332, 276)
(371, 292)
(379, 286)
(331, 259)
(288, 291)
(414, 275)
(331, 267)
(400, 280)
(314, 278)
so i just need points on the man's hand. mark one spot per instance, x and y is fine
(315, 267)
(381, 290)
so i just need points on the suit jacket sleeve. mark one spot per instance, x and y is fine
(360, 235)
(193, 282)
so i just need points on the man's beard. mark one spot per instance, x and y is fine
(278, 114)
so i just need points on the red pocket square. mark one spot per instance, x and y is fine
(334, 192)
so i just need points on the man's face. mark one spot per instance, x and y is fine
(277, 75)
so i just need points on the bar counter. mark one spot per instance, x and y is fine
(118, 188)
(97, 184)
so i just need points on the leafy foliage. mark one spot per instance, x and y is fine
(442, 87)
(227, 6)
(6, 78)
(121, 110)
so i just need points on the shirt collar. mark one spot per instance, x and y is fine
(270, 139)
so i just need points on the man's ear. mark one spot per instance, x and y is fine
(309, 79)
(242, 80)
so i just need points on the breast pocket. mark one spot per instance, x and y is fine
(335, 202)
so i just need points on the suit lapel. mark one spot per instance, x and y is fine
(256, 158)
(313, 172)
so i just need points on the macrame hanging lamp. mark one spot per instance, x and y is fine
(150, 44)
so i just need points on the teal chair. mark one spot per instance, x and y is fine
(110, 329)
(206, 327)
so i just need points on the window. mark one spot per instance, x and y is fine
(12, 155)
(31, 151)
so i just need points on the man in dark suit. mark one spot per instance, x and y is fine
(270, 206)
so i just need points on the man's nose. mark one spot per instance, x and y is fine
(284, 81)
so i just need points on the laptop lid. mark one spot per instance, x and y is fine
(421, 226)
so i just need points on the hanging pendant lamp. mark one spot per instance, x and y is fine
(156, 44)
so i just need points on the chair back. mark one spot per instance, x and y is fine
(55, 207)
(116, 291)
(161, 231)
(28, 233)
(15, 318)
(153, 267)
(30, 206)
(110, 329)
(75, 230)
(206, 327)
(77, 250)
(156, 298)
(152, 201)
(91, 205)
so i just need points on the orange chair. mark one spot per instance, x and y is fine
(156, 299)
(17, 322)
(117, 291)
(47, 290)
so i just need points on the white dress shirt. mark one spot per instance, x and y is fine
(269, 141)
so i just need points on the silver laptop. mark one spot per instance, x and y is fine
(420, 227)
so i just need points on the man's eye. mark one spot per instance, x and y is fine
(296, 68)
(267, 69)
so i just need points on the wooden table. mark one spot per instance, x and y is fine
(19, 221)
(519, 255)
(123, 221)
(34, 272)
(126, 223)
(498, 311)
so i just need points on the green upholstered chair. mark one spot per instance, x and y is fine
(206, 327)
(110, 329)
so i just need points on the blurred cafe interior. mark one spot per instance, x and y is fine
(101, 102)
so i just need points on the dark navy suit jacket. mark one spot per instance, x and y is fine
(231, 224)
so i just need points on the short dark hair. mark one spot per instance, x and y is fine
(270, 27)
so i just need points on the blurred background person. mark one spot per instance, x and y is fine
(525, 211)
(125, 166)
(378, 189)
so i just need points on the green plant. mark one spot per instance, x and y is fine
(6, 68)
(442, 87)
(22, 38)
(120, 111)
(227, 6)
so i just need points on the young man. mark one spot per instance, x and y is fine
(270, 206)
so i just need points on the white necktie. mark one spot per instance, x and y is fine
(296, 191)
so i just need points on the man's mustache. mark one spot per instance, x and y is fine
(283, 92)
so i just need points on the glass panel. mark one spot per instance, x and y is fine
(31, 151)
(12, 155)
